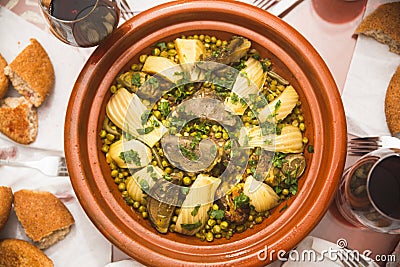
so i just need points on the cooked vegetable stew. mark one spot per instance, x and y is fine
(170, 137)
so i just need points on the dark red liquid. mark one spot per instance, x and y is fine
(71, 9)
(384, 186)
(85, 22)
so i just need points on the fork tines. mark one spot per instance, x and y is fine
(62, 168)
(363, 145)
(264, 4)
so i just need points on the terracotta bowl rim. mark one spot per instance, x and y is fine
(98, 201)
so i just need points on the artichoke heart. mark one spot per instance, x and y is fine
(141, 182)
(247, 85)
(261, 195)
(189, 50)
(127, 112)
(290, 140)
(281, 106)
(194, 211)
(163, 67)
(130, 153)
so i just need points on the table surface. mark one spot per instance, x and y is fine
(329, 28)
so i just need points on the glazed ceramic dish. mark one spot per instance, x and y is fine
(293, 58)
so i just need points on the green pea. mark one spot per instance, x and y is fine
(105, 148)
(216, 229)
(114, 173)
(302, 127)
(113, 89)
(170, 45)
(142, 58)
(209, 237)
(103, 133)
(142, 208)
(187, 181)
(211, 222)
(224, 225)
(122, 187)
(156, 52)
(136, 204)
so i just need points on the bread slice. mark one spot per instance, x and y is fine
(20, 253)
(31, 73)
(3, 78)
(383, 24)
(18, 119)
(6, 197)
(45, 219)
(392, 100)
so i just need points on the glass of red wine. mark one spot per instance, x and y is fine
(369, 194)
(81, 23)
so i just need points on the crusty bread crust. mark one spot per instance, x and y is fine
(3, 78)
(20, 253)
(45, 219)
(6, 198)
(392, 100)
(18, 119)
(32, 73)
(383, 24)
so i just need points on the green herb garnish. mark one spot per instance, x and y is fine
(191, 226)
(195, 210)
(130, 156)
(241, 200)
(217, 214)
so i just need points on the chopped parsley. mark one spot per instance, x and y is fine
(136, 79)
(164, 108)
(241, 200)
(187, 153)
(195, 210)
(144, 185)
(145, 130)
(130, 156)
(191, 226)
(217, 214)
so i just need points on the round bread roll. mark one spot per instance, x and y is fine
(392, 100)
(6, 198)
(20, 253)
(4, 82)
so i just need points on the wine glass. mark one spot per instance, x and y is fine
(369, 194)
(339, 11)
(81, 23)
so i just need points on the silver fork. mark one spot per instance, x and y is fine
(351, 258)
(48, 165)
(264, 4)
(363, 145)
(126, 12)
(278, 8)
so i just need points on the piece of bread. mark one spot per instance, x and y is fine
(6, 197)
(31, 73)
(3, 78)
(18, 119)
(392, 100)
(20, 253)
(383, 24)
(45, 219)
